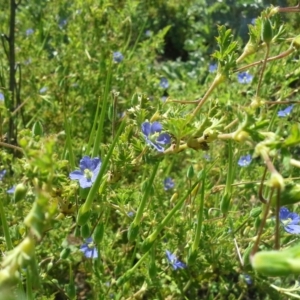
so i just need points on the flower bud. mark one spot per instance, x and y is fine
(20, 192)
(37, 129)
(190, 172)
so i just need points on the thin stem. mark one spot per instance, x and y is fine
(260, 191)
(218, 79)
(277, 240)
(279, 56)
(261, 227)
(263, 69)
(200, 215)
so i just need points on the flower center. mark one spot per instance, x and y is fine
(88, 174)
(287, 221)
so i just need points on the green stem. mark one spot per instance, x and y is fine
(5, 227)
(148, 242)
(29, 284)
(94, 189)
(263, 69)
(139, 214)
(200, 215)
(100, 131)
(218, 79)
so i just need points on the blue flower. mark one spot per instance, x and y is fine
(1, 97)
(153, 136)
(88, 249)
(168, 184)
(89, 169)
(118, 57)
(11, 190)
(289, 220)
(130, 214)
(164, 83)
(62, 23)
(148, 33)
(29, 31)
(173, 260)
(212, 68)
(285, 112)
(245, 161)
(247, 278)
(244, 77)
(43, 90)
(164, 98)
(2, 174)
(207, 157)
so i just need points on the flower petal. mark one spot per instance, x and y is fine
(76, 175)
(293, 229)
(164, 139)
(283, 213)
(156, 127)
(84, 182)
(89, 163)
(96, 171)
(158, 147)
(146, 128)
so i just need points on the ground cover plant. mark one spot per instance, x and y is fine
(149, 150)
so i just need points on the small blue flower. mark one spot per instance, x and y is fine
(164, 83)
(148, 33)
(247, 278)
(2, 174)
(11, 190)
(62, 23)
(164, 98)
(153, 136)
(88, 249)
(43, 90)
(244, 77)
(89, 169)
(245, 161)
(285, 112)
(28, 61)
(118, 57)
(207, 157)
(130, 214)
(289, 220)
(29, 31)
(212, 68)
(168, 184)
(173, 260)
(1, 97)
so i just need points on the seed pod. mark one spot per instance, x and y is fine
(85, 231)
(255, 212)
(152, 270)
(98, 233)
(83, 218)
(65, 253)
(225, 203)
(133, 232)
(277, 263)
(266, 31)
